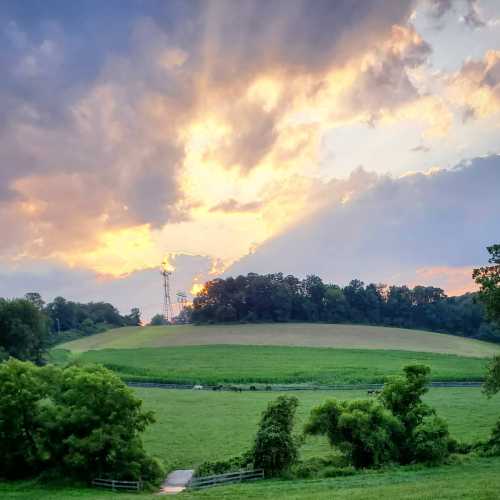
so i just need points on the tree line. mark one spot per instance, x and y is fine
(28, 326)
(279, 298)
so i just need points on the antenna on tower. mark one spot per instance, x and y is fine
(182, 300)
(168, 312)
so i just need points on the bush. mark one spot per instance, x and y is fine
(232, 464)
(424, 439)
(363, 430)
(431, 441)
(78, 422)
(24, 331)
(275, 448)
(397, 428)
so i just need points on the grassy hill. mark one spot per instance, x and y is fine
(213, 364)
(285, 334)
(277, 353)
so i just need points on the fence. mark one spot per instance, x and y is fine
(232, 477)
(118, 485)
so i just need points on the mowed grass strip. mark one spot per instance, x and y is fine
(291, 334)
(274, 365)
(476, 479)
(194, 426)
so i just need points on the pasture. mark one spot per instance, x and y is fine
(285, 334)
(193, 426)
(213, 364)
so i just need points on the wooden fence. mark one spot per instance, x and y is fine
(114, 485)
(232, 477)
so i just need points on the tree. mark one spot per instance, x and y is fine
(80, 422)
(157, 320)
(276, 448)
(488, 279)
(24, 332)
(403, 397)
(36, 299)
(134, 318)
(363, 430)
(492, 380)
(398, 427)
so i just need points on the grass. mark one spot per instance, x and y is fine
(287, 334)
(476, 479)
(266, 364)
(193, 426)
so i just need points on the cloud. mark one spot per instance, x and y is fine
(473, 18)
(141, 289)
(109, 115)
(476, 87)
(232, 205)
(421, 148)
(393, 229)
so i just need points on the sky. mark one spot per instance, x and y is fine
(351, 139)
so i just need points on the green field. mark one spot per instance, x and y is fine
(286, 334)
(278, 365)
(193, 426)
(290, 353)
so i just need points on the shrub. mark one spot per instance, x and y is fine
(24, 332)
(275, 448)
(403, 397)
(397, 428)
(431, 441)
(79, 422)
(232, 464)
(363, 430)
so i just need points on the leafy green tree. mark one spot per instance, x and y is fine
(363, 430)
(134, 318)
(24, 332)
(21, 425)
(488, 279)
(36, 299)
(158, 320)
(492, 380)
(403, 397)
(398, 427)
(80, 422)
(276, 448)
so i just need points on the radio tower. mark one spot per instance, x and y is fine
(168, 312)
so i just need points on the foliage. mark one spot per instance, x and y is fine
(403, 397)
(68, 320)
(431, 441)
(158, 320)
(232, 464)
(492, 380)
(397, 428)
(23, 330)
(318, 467)
(275, 447)
(74, 422)
(230, 421)
(491, 387)
(362, 429)
(488, 278)
(278, 298)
